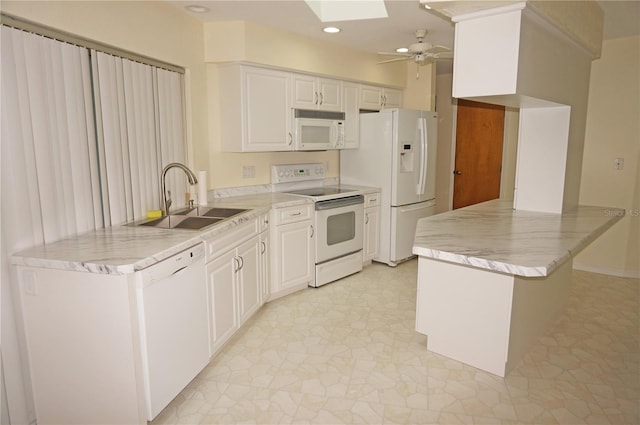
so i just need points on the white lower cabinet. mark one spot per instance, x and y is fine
(235, 281)
(371, 235)
(247, 273)
(292, 249)
(223, 317)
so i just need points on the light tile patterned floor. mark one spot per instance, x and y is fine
(347, 353)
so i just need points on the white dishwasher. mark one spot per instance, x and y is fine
(174, 331)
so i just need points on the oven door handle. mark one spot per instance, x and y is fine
(339, 202)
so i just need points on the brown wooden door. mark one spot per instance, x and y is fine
(478, 163)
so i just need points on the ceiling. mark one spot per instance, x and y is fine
(373, 35)
(622, 18)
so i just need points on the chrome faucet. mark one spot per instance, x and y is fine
(167, 199)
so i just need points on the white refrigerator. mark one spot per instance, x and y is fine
(397, 153)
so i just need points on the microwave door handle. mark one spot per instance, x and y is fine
(334, 135)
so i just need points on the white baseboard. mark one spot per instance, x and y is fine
(633, 274)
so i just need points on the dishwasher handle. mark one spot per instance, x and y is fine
(173, 265)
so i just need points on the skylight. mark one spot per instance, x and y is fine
(347, 10)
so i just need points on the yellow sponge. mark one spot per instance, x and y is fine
(154, 214)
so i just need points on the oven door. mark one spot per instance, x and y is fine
(339, 227)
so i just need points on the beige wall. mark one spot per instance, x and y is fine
(613, 131)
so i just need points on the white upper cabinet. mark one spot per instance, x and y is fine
(255, 109)
(351, 108)
(376, 97)
(255, 105)
(310, 92)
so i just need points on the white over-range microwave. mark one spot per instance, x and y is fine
(318, 130)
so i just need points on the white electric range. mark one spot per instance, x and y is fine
(338, 218)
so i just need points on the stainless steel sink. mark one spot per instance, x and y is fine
(191, 218)
(180, 222)
(215, 212)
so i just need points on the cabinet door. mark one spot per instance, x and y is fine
(351, 108)
(371, 239)
(267, 110)
(265, 269)
(330, 92)
(294, 259)
(305, 92)
(248, 278)
(392, 98)
(370, 97)
(222, 299)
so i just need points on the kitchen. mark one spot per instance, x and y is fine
(224, 168)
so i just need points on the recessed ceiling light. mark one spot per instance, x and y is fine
(195, 8)
(402, 50)
(331, 30)
(426, 6)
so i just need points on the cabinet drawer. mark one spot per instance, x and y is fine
(292, 214)
(372, 200)
(223, 242)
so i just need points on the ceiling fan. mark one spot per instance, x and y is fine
(421, 52)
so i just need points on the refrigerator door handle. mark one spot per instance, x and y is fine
(422, 140)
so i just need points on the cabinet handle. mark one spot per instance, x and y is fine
(312, 232)
(290, 139)
(264, 247)
(241, 262)
(296, 214)
(321, 98)
(366, 218)
(236, 263)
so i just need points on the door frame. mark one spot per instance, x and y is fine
(509, 147)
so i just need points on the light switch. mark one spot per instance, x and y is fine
(618, 163)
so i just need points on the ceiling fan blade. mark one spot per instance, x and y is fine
(438, 49)
(443, 55)
(395, 60)
(395, 54)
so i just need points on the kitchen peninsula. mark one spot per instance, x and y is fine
(491, 279)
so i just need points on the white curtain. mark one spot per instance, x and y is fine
(49, 176)
(49, 162)
(140, 130)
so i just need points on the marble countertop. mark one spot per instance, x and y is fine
(123, 249)
(494, 236)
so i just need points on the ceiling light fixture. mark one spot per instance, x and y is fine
(195, 8)
(402, 50)
(331, 30)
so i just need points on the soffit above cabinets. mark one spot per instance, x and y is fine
(582, 21)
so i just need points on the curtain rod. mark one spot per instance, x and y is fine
(45, 31)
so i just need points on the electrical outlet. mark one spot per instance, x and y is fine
(29, 283)
(618, 163)
(248, 171)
